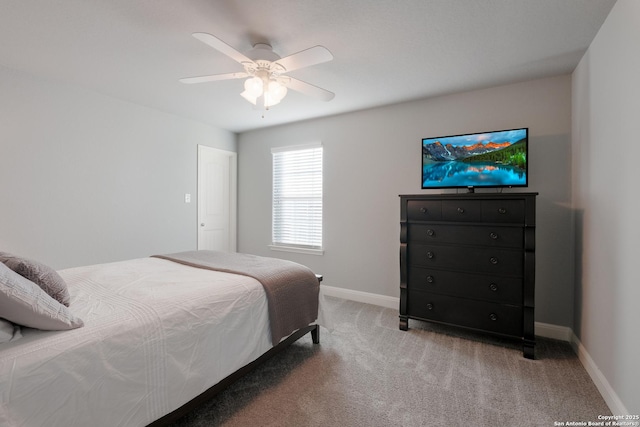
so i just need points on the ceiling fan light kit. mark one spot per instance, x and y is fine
(266, 85)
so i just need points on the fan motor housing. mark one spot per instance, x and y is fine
(263, 51)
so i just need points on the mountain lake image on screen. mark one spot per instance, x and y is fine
(487, 159)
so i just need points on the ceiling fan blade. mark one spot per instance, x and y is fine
(221, 46)
(213, 78)
(310, 90)
(312, 56)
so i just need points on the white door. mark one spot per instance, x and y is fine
(216, 199)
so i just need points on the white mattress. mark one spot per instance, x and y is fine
(156, 334)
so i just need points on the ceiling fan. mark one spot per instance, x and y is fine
(266, 83)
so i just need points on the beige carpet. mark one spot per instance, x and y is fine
(367, 372)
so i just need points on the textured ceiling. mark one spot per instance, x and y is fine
(385, 51)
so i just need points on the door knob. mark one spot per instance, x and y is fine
(202, 224)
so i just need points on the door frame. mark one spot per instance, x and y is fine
(233, 193)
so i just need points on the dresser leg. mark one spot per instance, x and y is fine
(528, 350)
(404, 323)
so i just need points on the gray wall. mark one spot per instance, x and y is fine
(372, 156)
(88, 179)
(606, 144)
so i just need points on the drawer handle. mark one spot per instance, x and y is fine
(493, 260)
(494, 236)
(502, 211)
(430, 232)
(430, 255)
(430, 279)
(461, 210)
(429, 306)
(493, 287)
(493, 317)
(423, 210)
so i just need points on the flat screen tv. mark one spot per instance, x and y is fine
(475, 160)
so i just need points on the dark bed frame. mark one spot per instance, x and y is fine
(226, 382)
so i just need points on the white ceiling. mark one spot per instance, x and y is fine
(385, 51)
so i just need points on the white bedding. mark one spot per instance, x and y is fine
(156, 335)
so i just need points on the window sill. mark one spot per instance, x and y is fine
(297, 250)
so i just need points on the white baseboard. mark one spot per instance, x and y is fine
(542, 329)
(359, 296)
(608, 394)
(546, 330)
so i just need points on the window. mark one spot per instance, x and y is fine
(297, 198)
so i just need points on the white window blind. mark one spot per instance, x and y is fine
(297, 197)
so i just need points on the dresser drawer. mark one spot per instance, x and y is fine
(455, 283)
(471, 259)
(508, 237)
(461, 210)
(503, 211)
(487, 316)
(424, 210)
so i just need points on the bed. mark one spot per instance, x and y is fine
(158, 335)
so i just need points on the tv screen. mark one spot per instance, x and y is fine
(486, 159)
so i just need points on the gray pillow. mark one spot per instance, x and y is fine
(24, 303)
(45, 277)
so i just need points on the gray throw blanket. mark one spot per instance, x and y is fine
(292, 289)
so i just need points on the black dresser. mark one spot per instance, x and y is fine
(469, 260)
